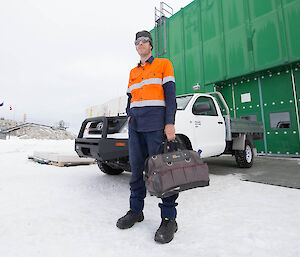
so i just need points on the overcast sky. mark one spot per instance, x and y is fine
(58, 57)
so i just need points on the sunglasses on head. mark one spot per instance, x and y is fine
(143, 39)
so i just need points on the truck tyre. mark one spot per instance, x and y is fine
(107, 169)
(244, 158)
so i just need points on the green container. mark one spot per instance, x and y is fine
(210, 41)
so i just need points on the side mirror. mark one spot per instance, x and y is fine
(201, 107)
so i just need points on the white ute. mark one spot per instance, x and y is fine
(199, 125)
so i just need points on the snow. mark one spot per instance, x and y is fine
(72, 211)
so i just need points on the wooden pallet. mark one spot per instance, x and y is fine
(60, 160)
(70, 164)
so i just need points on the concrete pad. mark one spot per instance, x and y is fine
(267, 170)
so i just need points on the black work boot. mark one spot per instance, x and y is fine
(166, 231)
(129, 219)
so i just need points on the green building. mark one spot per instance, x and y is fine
(249, 50)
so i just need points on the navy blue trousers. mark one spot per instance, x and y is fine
(141, 145)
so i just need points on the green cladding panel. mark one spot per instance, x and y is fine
(175, 52)
(291, 15)
(269, 48)
(238, 59)
(192, 45)
(276, 105)
(247, 104)
(210, 41)
(278, 101)
(212, 37)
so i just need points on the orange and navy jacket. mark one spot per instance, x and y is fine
(151, 95)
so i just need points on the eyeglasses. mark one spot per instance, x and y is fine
(143, 39)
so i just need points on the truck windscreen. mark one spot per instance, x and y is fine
(182, 101)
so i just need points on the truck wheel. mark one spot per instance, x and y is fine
(244, 158)
(108, 170)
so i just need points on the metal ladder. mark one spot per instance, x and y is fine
(160, 21)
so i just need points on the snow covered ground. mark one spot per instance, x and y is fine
(72, 211)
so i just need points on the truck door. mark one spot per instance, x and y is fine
(209, 127)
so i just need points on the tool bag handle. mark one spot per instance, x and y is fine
(166, 144)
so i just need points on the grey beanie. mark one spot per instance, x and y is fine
(144, 33)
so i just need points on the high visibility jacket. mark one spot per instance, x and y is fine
(145, 83)
(151, 91)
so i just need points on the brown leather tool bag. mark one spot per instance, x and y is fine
(172, 172)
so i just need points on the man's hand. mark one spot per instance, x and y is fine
(170, 132)
(128, 119)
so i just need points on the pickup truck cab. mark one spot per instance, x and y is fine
(199, 125)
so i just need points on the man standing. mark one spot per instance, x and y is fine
(151, 114)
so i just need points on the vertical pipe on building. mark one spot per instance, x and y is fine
(296, 103)
(184, 59)
(233, 101)
(155, 33)
(202, 75)
(165, 35)
(161, 28)
(262, 114)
